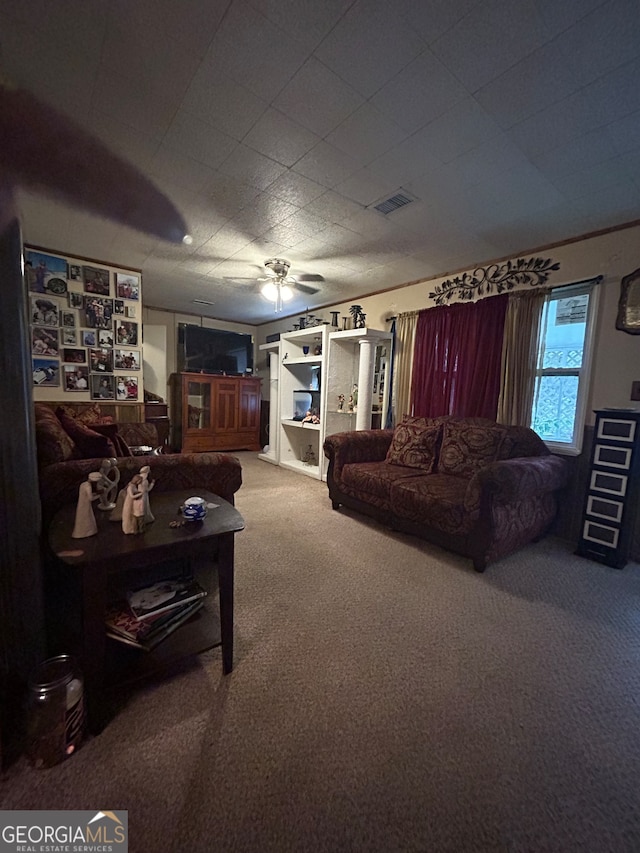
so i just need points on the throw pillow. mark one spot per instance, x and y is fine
(53, 443)
(467, 447)
(88, 415)
(89, 443)
(414, 446)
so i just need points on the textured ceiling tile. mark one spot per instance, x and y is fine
(366, 134)
(495, 35)
(251, 167)
(365, 187)
(334, 207)
(295, 188)
(306, 20)
(279, 138)
(554, 126)
(317, 98)
(326, 165)
(419, 93)
(588, 150)
(197, 139)
(460, 129)
(615, 94)
(391, 44)
(222, 102)
(432, 18)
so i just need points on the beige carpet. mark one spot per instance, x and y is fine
(385, 698)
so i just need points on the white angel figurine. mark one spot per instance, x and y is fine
(133, 509)
(110, 479)
(85, 521)
(146, 487)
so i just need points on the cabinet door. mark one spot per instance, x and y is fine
(196, 411)
(249, 412)
(226, 406)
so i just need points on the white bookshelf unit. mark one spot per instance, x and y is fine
(356, 357)
(300, 447)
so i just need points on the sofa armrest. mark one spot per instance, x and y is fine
(517, 479)
(220, 473)
(365, 445)
(139, 434)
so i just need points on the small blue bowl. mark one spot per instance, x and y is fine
(194, 509)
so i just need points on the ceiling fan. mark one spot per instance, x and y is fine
(277, 285)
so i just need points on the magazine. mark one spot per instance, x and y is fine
(162, 596)
(150, 641)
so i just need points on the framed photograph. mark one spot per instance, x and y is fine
(126, 387)
(96, 281)
(101, 387)
(130, 310)
(76, 378)
(44, 312)
(45, 273)
(46, 371)
(118, 306)
(98, 312)
(75, 272)
(76, 300)
(89, 338)
(127, 286)
(69, 337)
(101, 360)
(126, 333)
(44, 341)
(69, 319)
(105, 337)
(74, 356)
(127, 359)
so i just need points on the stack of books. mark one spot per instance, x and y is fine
(146, 616)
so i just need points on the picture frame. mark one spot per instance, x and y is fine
(45, 273)
(44, 341)
(69, 337)
(126, 333)
(75, 272)
(46, 372)
(75, 299)
(126, 388)
(130, 311)
(44, 311)
(101, 387)
(127, 359)
(105, 337)
(74, 355)
(76, 378)
(628, 318)
(127, 286)
(118, 306)
(98, 312)
(101, 360)
(68, 319)
(89, 337)
(96, 280)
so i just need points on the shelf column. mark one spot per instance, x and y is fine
(365, 384)
(274, 367)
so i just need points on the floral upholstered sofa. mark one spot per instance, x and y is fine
(71, 444)
(470, 485)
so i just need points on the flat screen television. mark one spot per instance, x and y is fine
(203, 350)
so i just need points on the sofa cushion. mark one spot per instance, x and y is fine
(372, 481)
(53, 443)
(415, 445)
(436, 501)
(468, 447)
(86, 415)
(89, 443)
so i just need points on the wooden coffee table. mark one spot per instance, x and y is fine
(87, 572)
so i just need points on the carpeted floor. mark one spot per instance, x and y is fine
(385, 697)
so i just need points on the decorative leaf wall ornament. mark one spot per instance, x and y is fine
(496, 278)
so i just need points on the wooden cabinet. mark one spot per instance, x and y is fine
(215, 412)
(613, 489)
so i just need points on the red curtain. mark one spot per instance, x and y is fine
(456, 359)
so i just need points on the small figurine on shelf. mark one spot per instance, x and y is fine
(133, 509)
(309, 457)
(359, 317)
(353, 399)
(340, 402)
(146, 486)
(85, 521)
(311, 417)
(109, 484)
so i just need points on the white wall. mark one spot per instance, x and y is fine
(154, 364)
(617, 354)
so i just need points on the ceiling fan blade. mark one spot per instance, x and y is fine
(241, 278)
(310, 277)
(304, 288)
(42, 149)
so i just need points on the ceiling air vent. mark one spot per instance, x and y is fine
(399, 199)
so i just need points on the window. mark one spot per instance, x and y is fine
(564, 361)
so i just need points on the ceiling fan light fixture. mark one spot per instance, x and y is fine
(277, 292)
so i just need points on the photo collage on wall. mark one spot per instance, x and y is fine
(84, 327)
